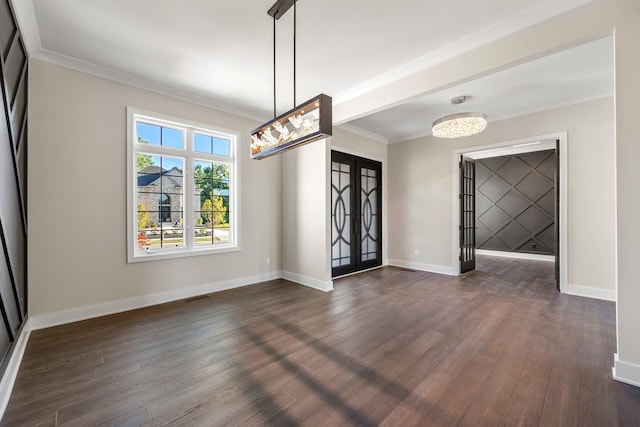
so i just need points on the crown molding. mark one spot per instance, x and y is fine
(143, 83)
(364, 133)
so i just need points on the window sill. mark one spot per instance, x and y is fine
(181, 253)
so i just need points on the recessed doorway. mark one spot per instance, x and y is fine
(510, 202)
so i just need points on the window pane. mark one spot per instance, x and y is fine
(160, 201)
(221, 235)
(202, 143)
(172, 232)
(172, 138)
(159, 135)
(211, 190)
(143, 220)
(211, 145)
(221, 146)
(147, 133)
(203, 234)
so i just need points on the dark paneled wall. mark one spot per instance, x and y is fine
(515, 203)
(13, 181)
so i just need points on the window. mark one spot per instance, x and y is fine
(182, 188)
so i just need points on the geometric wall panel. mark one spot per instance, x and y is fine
(7, 26)
(547, 202)
(533, 219)
(13, 181)
(547, 167)
(534, 185)
(535, 158)
(482, 234)
(482, 173)
(494, 188)
(483, 203)
(513, 235)
(547, 237)
(513, 170)
(494, 219)
(515, 203)
(494, 163)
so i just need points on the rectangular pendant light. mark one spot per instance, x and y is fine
(305, 123)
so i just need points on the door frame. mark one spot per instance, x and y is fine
(385, 240)
(358, 162)
(505, 148)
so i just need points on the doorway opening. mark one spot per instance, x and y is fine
(510, 202)
(356, 213)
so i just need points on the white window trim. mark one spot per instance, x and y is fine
(189, 250)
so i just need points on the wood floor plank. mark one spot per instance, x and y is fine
(453, 404)
(599, 410)
(490, 402)
(390, 347)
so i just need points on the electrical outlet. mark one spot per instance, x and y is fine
(268, 260)
(416, 253)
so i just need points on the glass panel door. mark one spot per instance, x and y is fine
(467, 214)
(356, 213)
(341, 215)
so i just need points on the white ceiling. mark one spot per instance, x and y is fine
(579, 74)
(219, 53)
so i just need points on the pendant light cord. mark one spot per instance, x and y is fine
(294, 58)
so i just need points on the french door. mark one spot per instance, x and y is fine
(467, 214)
(356, 213)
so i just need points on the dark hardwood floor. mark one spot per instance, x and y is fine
(389, 347)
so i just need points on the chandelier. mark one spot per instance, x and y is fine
(305, 123)
(459, 125)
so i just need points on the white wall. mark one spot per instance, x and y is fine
(627, 35)
(420, 180)
(305, 219)
(421, 197)
(77, 199)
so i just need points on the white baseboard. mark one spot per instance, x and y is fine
(308, 281)
(9, 377)
(534, 257)
(82, 313)
(625, 372)
(591, 292)
(440, 269)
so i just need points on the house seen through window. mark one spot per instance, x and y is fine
(183, 189)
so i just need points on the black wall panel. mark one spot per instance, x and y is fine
(13, 181)
(5, 342)
(11, 208)
(7, 27)
(7, 297)
(515, 205)
(13, 67)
